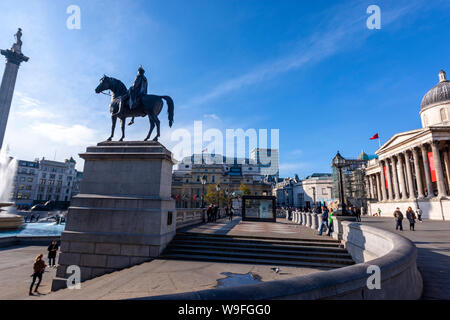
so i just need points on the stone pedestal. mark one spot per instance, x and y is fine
(124, 214)
(314, 221)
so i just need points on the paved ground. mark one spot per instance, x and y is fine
(16, 266)
(432, 239)
(160, 277)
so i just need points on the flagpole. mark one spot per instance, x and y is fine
(379, 141)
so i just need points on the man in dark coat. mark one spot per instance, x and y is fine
(135, 93)
(52, 250)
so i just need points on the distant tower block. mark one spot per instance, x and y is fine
(14, 57)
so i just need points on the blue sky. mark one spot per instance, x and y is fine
(311, 69)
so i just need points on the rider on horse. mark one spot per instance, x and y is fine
(134, 94)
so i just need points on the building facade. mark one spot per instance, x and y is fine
(187, 187)
(312, 192)
(413, 167)
(45, 180)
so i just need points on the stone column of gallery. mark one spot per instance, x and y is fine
(438, 168)
(383, 181)
(389, 178)
(419, 182)
(404, 194)
(395, 178)
(426, 167)
(409, 176)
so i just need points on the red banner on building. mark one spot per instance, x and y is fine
(385, 177)
(432, 169)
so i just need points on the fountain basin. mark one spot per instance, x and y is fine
(9, 221)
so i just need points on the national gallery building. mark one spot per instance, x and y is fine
(413, 167)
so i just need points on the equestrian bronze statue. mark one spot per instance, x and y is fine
(134, 103)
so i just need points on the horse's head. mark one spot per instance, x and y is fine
(105, 84)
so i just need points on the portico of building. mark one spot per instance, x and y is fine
(412, 169)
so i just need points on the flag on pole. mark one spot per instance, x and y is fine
(204, 150)
(376, 136)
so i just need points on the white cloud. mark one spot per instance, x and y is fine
(75, 135)
(36, 114)
(212, 116)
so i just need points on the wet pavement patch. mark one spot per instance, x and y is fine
(237, 279)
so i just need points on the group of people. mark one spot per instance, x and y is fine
(39, 266)
(32, 217)
(213, 212)
(410, 215)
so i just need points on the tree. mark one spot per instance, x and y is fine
(245, 189)
(212, 196)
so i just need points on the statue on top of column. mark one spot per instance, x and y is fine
(17, 47)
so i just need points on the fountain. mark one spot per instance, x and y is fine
(8, 167)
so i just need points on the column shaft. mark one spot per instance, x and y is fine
(401, 177)
(426, 168)
(418, 174)
(409, 176)
(389, 179)
(383, 182)
(395, 178)
(438, 168)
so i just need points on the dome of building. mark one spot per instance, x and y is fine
(439, 94)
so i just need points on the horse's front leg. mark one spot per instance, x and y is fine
(113, 127)
(152, 125)
(122, 125)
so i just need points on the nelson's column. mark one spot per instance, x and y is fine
(14, 57)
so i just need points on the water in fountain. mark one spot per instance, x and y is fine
(8, 167)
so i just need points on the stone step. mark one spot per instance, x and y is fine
(211, 235)
(227, 259)
(263, 250)
(249, 241)
(261, 245)
(257, 256)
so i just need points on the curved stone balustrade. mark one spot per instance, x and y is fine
(369, 246)
(308, 219)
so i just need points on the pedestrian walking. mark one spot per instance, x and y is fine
(358, 214)
(38, 270)
(52, 250)
(324, 220)
(231, 212)
(419, 214)
(209, 212)
(398, 215)
(330, 224)
(411, 218)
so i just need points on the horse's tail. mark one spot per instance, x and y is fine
(170, 110)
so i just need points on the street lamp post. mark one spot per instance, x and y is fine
(203, 180)
(218, 194)
(339, 163)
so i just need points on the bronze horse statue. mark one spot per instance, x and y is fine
(151, 106)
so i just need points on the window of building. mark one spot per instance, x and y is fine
(28, 187)
(51, 182)
(444, 116)
(22, 179)
(30, 179)
(21, 187)
(213, 179)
